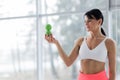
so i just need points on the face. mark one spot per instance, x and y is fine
(91, 24)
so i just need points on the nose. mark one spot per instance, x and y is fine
(86, 23)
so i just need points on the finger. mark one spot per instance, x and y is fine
(46, 36)
(50, 38)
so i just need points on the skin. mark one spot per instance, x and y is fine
(89, 66)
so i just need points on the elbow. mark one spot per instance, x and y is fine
(68, 63)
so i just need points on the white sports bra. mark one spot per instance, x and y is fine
(99, 53)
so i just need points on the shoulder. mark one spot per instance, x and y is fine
(110, 43)
(79, 41)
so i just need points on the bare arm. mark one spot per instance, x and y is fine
(112, 59)
(68, 60)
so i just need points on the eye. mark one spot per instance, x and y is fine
(89, 20)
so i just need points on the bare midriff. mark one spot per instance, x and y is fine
(89, 66)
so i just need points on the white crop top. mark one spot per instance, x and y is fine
(99, 53)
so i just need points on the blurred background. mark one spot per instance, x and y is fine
(24, 53)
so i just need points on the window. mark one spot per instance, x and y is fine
(25, 55)
(116, 35)
(17, 40)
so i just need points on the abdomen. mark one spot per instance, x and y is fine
(89, 66)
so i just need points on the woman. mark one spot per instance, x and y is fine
(93, 49)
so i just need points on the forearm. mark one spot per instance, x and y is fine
(112, 76)
(62, 54)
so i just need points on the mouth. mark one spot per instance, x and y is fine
(87, 27)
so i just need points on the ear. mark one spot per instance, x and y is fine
(99, 21)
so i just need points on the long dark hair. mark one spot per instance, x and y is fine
(96, 14)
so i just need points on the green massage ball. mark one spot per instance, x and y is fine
(48, 29)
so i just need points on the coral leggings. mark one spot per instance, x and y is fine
(99, 76)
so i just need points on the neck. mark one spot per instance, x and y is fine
(96, 34)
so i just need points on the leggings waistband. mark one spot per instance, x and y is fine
(98, 76)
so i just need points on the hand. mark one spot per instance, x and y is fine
(50, 39)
